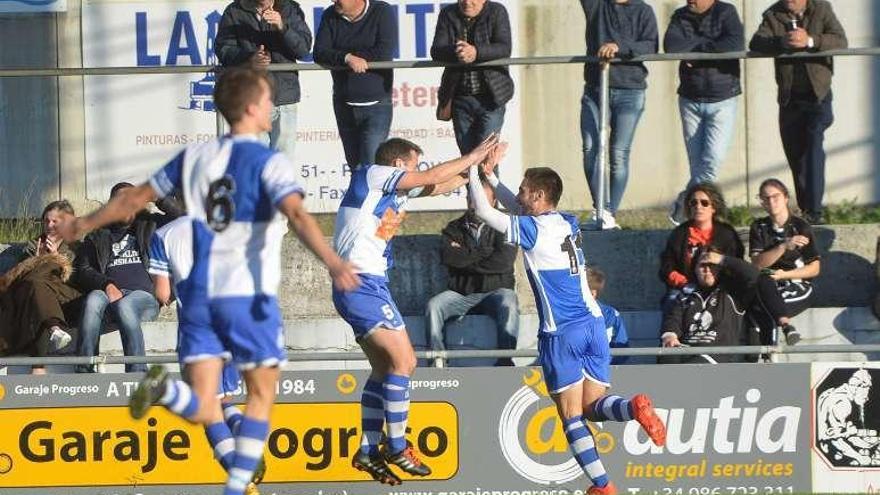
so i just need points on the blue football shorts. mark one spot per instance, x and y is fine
(579, 352)
(369, 307)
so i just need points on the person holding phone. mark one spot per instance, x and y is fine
(804, 85)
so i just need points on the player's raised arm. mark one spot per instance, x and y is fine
(504, 195)
(125, 205)
(306, 228)
(446, 171)
(493, 218)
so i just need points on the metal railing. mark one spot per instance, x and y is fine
(309, 356)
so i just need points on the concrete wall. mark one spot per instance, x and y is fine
(42, 125)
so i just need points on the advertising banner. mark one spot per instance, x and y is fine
(482, 431)
(136, 123)
(7, 6)
(844, 429)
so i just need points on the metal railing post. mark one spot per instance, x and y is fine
(602, 158)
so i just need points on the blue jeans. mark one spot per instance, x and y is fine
(282, 137)
(473, 119)
(708, 130)
(501, 305)
(128, 312)
(362, 129)
(625, 109)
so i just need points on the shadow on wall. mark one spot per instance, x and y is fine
(840, 270)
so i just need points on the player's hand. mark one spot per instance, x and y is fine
(494, 157)
(71, 229)
(671, 341)
(608, 50)
(357, 64)
(479, 153)
(273, 18)
(261, 58)
(796, 242)
(344, 276)
(113, 293)
(465, 52)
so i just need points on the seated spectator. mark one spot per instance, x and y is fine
(614, 324)
(36, 303)
(712, 313)
(481, 280)
(704, 208)
(111, 269)
(782, 246)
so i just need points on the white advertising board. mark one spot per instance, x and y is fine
(134, 123)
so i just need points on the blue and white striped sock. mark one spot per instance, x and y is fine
(396, 393)
(233, 416)
(180, 399)
(372, 417)
(249, 444)
(222, 442)
(580, 440)
(612, 408)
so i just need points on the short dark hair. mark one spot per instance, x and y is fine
(596, 279)
(395, 148)
(545, 179)
(715, 197)
(118, 187)
(238, 87)
(60, 205)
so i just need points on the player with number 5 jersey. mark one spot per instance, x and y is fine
(370, 214)
(572, 346)
(240, 195)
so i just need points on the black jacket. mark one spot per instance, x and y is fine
(95, 253)
(827, 33)
(714, 316)
(717, 30)
(476, 265)
(633, 26)
(240, 35)
(724, 237)
(490, 35)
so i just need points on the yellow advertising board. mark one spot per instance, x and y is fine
(101, 446)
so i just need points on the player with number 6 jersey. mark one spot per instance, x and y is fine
(572, 346)
(241, 195)
(370, 214)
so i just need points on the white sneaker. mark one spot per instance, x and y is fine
(608, 221)
(676, 213)
(58, 338)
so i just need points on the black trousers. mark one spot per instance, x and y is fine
(802, 125)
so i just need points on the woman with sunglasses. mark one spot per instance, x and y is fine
(782, 246)
(705, 208)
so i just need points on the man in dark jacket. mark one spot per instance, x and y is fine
(355, 33)
(263, 32)
(111, 269)
(469, 32)
(481, 280)
(615, 29)
(805, 112)
(708, 89)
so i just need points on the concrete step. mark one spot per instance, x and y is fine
(855, 325)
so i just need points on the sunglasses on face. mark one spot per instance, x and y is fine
(705, 203)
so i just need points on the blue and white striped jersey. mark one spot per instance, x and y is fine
(368, 218)
(556, 268)
(171, 253)
(232, 186)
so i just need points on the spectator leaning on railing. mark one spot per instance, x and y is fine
(615, 29)
(36, 303)
(708, 89)
(469, 32)
(355, 33)
(263, 32)
(791, 26)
